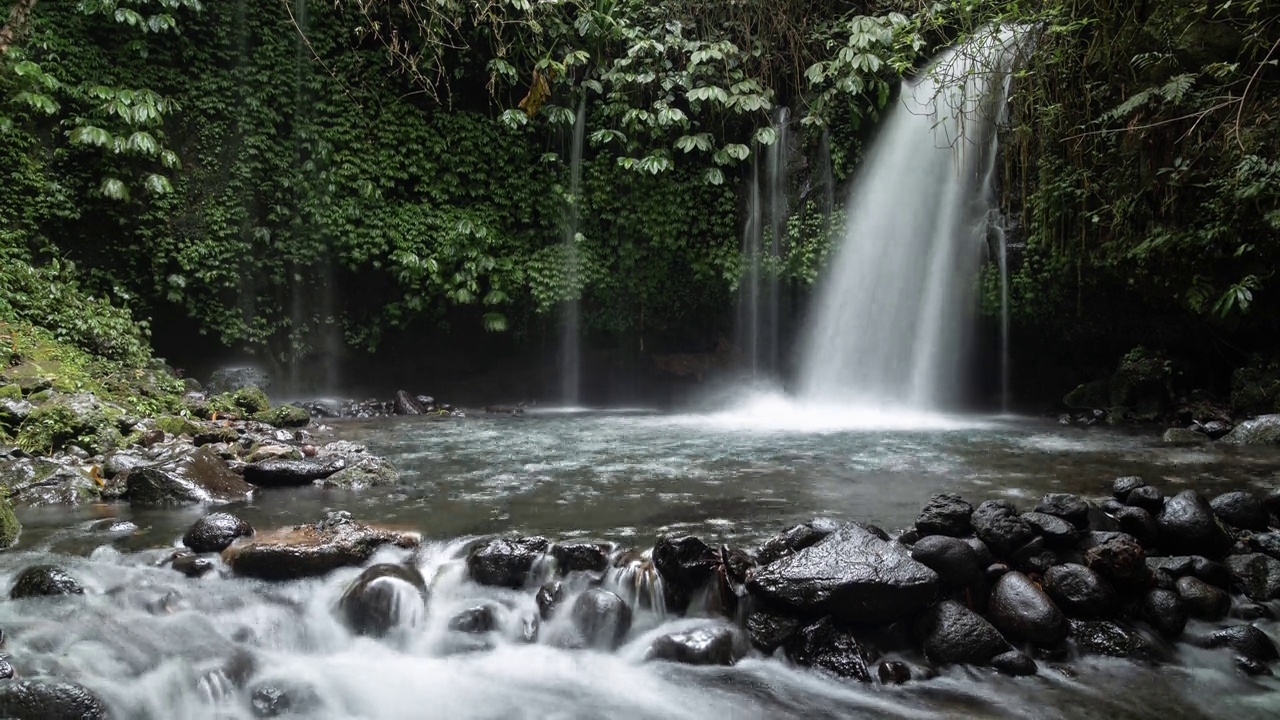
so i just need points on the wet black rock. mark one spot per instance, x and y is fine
(1080, 592)
(281, 699)
(686, 565)
(1103, 637)
(312, 550)
(1148, 498)
(1164, 611)
(199, 476)
(376, 601)
(955, 634)
(601, 618)
(1120, 559)
(1267, 543)
(1023, 612)
(1202, 600)
(6, 668)
(851, 574)
(719, 645)
(407, 404)
(293, 473)
(34, 700)
(549, 597)
(832, 648)
(1256, 575)
(1139, 523)
(1247, 640)
(1214, 573)
(956, 562)
(507, 561)
(1071, 508)
(215, 532)
(1188, 526)
(945, 514)
(1250, 611)
(476, 620)
(893, 672)
(998, 524)
(1014, 663)
(769, 631)
(1122, 486)
(1242, 510)
(1251, 667)
(42, 581)
(1057, 532)
(985, 556)
(193, 566)
(580, 557)
(795, 539)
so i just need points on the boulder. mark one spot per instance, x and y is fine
(1139, 523)
(199, 476)
(1164, 611)
(229, 380)
(193, 566)
(601, 618)
(283, 699)
(1103, 637)
(1202, 600)
(406, 404)
(215, 532)
(1014, 664)
(831, 648)
(549, 597)
(1080, 592)
(955, 634)
(1267, 543)
(1120, 559)
(1188, 527)
(1058, 533)
(998, 524)
(384, 597)
(42, 581)
(1214, 573)
(769, 631)
(1023, 612)
(795, 539)
(293, 473)
(35, 700)
(1262, 430)
(1247, 640)
(36, 482)
(1242, 510)
(1071, 508)
(945, 514)
(719, 645)
(477, 620)
(1183, 436)
(853, 575)
(1256, 575)
(284, 416)
(580, 557)
(1122, 486)
(312, 550)
(506, 562)
(363, 472)
(1148, 498)
(955, 561)
(686, 565)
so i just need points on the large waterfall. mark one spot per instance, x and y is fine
(892, 317)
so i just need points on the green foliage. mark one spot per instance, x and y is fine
(9, 525)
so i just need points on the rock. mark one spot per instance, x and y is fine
(312, 550)
(193, 566)
(1139, 523)
(1120, 559)
(1122, 486)
(1247, 640)
(1058, 534)
(1183, 436)
(14, 412)
(549, 597)
(955, 561)
(893, 672)
(1023, 612)
(119, 462)
(1148, 498)
(1216, 429)
(1103, 637)
(686, 565)
(1071, 508)
(719, 645)
(1164, 611)
(794, 540)
(945, 514)
(853, 575)
(828, 647)
(229, 380)
(1256, 575)
(1080, 592)
(44, 580)
(506, 562)
(284, 416)
(199, 476)
(1252, 667)
(769, 631)
(998, 524)
(1188, 527)
(580, 557)
(1242, 510)
(34, 700)
(363, 472)
(36, 482)
(1014, 664)
(1250, 611)
(1267, 543)
(215, 532)
(283, 699)
(477, 620)
(6, 668)
(1262, 430)
(955, 634)
(407, 404)
(1202, 600)
(292, 473)
(384, 597)
(602, 618)
(10, 528)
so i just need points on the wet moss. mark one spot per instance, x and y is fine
(284, 416)
(9, 526)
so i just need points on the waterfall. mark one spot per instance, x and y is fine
(749, 290)
(893, 313)
(570, 319)
(760, 297)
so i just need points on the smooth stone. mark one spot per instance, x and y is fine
(998, 524)
(44, 581)
(580, 557)
(1247, 640)
(1014, 664)
(1071, 508)
(1189, 527)
(831, 648)
(1058, 534)
(1256, 575)
(601, 618)
(955, 634)
(1164, 611)
(293, 473)
(686, 565)
(1148, 498)
(795, 539)
(1183, 436)
(193, 566)
(893, 672)
(477, 620)
(1242, 510)
(1122, 486)
(1080, 592)
(199, 476)
(945, 514)
(312, 550)
(377, 602)
(955, 561)
(1023, 612)
(1202, 600)
(1267, 543)
(1104, 637)
(215, 532)
(1139, 523)
(719, 645)
(506, 561)
(35, 700)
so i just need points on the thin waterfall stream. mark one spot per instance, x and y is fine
(571, 309)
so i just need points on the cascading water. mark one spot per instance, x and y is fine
(749, 290)
(892, 317)
(570, 319)
(760, 300)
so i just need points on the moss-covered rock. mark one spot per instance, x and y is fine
(284, 416)
(174, 425)
(1262, 430)
(10, 392)
(369, 471)
(1142, 383)
(1255, 389)
(242, 403)
(9, 526)
(80, 419)
(1089, 396)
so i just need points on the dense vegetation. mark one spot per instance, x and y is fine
(296, 176)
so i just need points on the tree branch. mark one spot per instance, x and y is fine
(17, 20)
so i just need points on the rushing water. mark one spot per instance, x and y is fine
(154, 643)
(892, 316)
